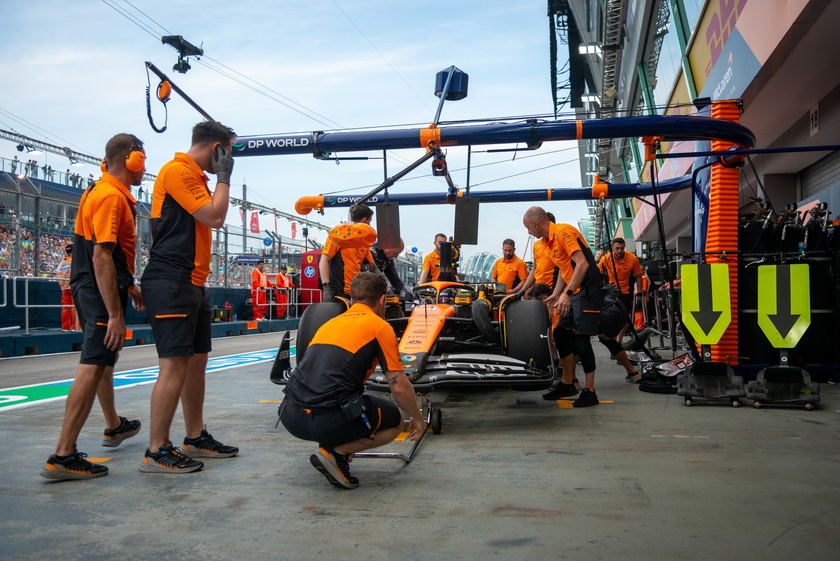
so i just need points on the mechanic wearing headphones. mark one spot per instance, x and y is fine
(102, 280)
(346, 251)
(324, 398)
(577, 298)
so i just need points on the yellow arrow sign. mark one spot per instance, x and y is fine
(706, 306)
(784, 303)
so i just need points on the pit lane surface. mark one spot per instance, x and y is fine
(27, 370)
(511, 477)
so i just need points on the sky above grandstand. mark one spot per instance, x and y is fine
(74, 75)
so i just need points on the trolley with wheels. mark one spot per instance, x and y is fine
(706, 313)
(784, 386)
(713, 382)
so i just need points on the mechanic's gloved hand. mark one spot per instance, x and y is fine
(222, 164)
(406, 295)
(329, 294)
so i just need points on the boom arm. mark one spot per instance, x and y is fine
(531, 132)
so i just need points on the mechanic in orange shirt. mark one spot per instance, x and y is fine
(346, 251)
(622, 269)
(510, 269)
(259, 288)
(325, 399)
(183, 214)
(578, 299)
(544, 269)
(102, 280)
(430, 271)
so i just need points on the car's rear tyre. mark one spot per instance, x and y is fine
(527, 328)
(312, 319)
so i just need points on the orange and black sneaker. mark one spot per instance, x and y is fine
(127, 429)
(335, 468)
(633, 378)
(74, 466)
(169, 459)
(205, 446)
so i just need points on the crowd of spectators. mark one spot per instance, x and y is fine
(51, 252)
(32, 169)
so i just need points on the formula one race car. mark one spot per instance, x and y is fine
(458, 335)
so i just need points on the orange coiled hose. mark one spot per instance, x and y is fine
(722, 234)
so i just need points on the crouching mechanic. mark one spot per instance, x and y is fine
(324, 398)
(613, 320)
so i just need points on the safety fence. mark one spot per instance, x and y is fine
(37, 218)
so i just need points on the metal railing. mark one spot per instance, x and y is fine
(298, 299)
(26, 305)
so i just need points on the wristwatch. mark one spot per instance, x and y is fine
(570, 292)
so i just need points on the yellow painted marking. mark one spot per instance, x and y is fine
(566, 403)
(269, 401)
(406, 433)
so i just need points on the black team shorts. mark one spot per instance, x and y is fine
(93, 319)
(179, 313)
(330, 427)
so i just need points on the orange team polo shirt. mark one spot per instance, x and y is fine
(563, 241)
(349, 347)
(509, 272)
(181, 244)
(627, 266)
(356, 328)
(431, 263)
(543, 265)
(345, 264)
(105, 215)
